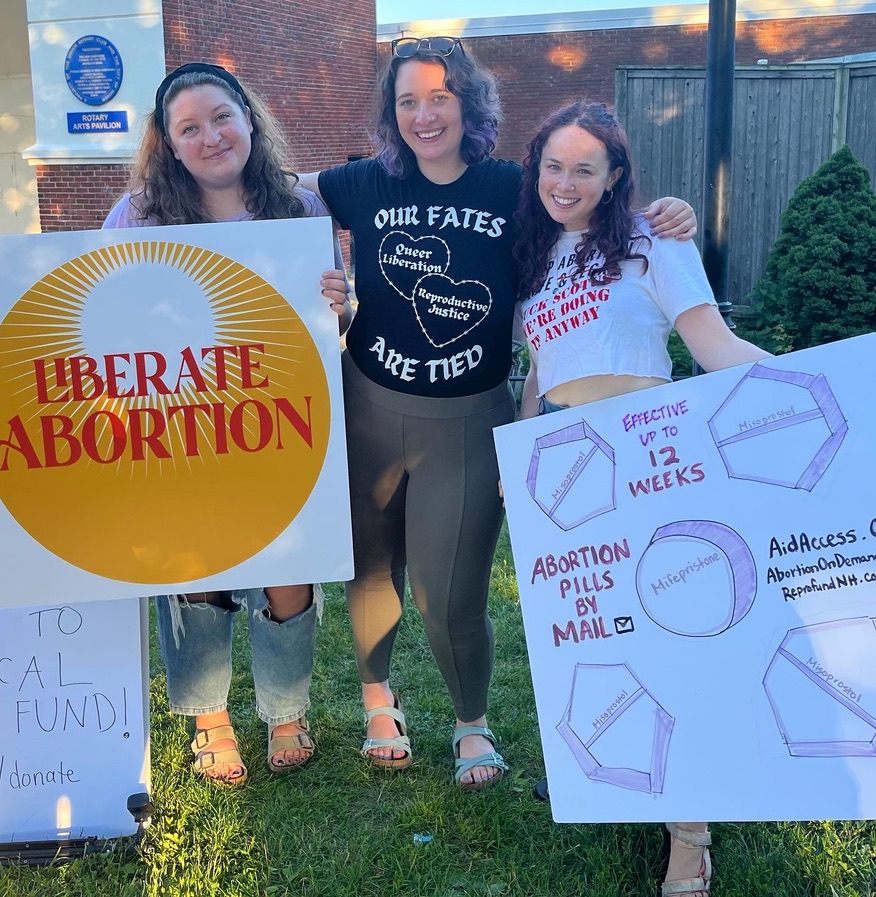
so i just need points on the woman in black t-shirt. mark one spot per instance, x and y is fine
(425, 371)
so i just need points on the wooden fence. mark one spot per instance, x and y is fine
(787, 120)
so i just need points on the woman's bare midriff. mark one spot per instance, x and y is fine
(600, 386)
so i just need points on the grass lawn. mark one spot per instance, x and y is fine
(340, 828)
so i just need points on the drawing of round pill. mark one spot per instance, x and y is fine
(696, 578)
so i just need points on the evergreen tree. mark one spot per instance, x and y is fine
(820, 279)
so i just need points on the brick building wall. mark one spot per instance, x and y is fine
(539, 72)
(77, 197)
(313, 63)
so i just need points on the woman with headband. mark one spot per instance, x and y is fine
(426, 381)
(211, 153)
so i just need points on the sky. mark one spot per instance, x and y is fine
(394, 11)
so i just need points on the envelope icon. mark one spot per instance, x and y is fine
(623, 624)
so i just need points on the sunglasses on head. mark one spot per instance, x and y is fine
(405, 47)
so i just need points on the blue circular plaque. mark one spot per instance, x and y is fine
(93, 69)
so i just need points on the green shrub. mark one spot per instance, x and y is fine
(682, 362)
(820, 279)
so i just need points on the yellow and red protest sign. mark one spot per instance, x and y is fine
(166, 409)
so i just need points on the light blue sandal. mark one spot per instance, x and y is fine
(463, 766)
(400, 742)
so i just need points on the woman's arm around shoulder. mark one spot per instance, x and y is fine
(711, 342)
(310, 181)
(671, 217)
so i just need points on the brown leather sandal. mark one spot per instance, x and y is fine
(300, 742)
(207, 759)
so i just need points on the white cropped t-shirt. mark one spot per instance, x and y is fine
(576, 328)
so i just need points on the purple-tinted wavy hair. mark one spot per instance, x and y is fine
(466, 79)
(612, 223)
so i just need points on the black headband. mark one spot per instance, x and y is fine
(205, 67)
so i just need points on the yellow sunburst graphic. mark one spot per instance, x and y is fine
(158, 439)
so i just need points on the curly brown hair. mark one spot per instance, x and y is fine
(163, 191)
(612, 226)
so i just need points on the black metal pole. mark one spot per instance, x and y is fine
(718, 148)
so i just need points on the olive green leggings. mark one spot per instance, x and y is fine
(424, 495)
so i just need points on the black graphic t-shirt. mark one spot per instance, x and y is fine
(435, 277)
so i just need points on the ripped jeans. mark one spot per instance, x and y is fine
(195, 640)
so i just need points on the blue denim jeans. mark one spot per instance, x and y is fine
(195, 641)
(547, 407)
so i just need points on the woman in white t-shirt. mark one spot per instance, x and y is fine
(600, 295)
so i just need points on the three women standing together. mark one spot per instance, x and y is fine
(425, 382)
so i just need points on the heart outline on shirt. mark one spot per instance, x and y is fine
(446, 291)
(403, 280)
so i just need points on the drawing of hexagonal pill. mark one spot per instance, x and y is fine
(696, 578)
(571, 475)
(779, 427)
(617, 731)
(821, 685)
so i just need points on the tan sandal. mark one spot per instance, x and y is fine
(694, 841)
(207, 759)
(300, 742)
(400, 742)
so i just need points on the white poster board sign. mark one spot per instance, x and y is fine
(697, 572)
(73, 725)
(170, 412)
